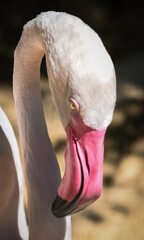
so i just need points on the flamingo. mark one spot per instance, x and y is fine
(83, 85)
(13, 224)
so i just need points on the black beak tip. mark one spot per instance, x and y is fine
(59, 207)
(63, 208)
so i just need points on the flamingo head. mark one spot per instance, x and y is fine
(85, 100)
(89, 112)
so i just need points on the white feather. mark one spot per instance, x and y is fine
(9, 133)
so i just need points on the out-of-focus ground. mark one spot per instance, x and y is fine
(119, 213)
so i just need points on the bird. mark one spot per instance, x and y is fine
(13, 220)
(82, 81)
(13, 223)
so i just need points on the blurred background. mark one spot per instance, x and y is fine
(119, 213)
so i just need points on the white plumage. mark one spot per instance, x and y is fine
(79, 67)
(15, 180)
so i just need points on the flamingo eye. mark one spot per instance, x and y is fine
(73, 104)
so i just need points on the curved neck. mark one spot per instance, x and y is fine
(40, 165)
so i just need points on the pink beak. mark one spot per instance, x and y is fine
(82, 181)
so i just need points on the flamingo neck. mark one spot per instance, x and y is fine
(40, 165)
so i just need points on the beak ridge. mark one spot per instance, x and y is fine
(82, 181)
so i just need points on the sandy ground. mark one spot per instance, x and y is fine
(119, 213)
